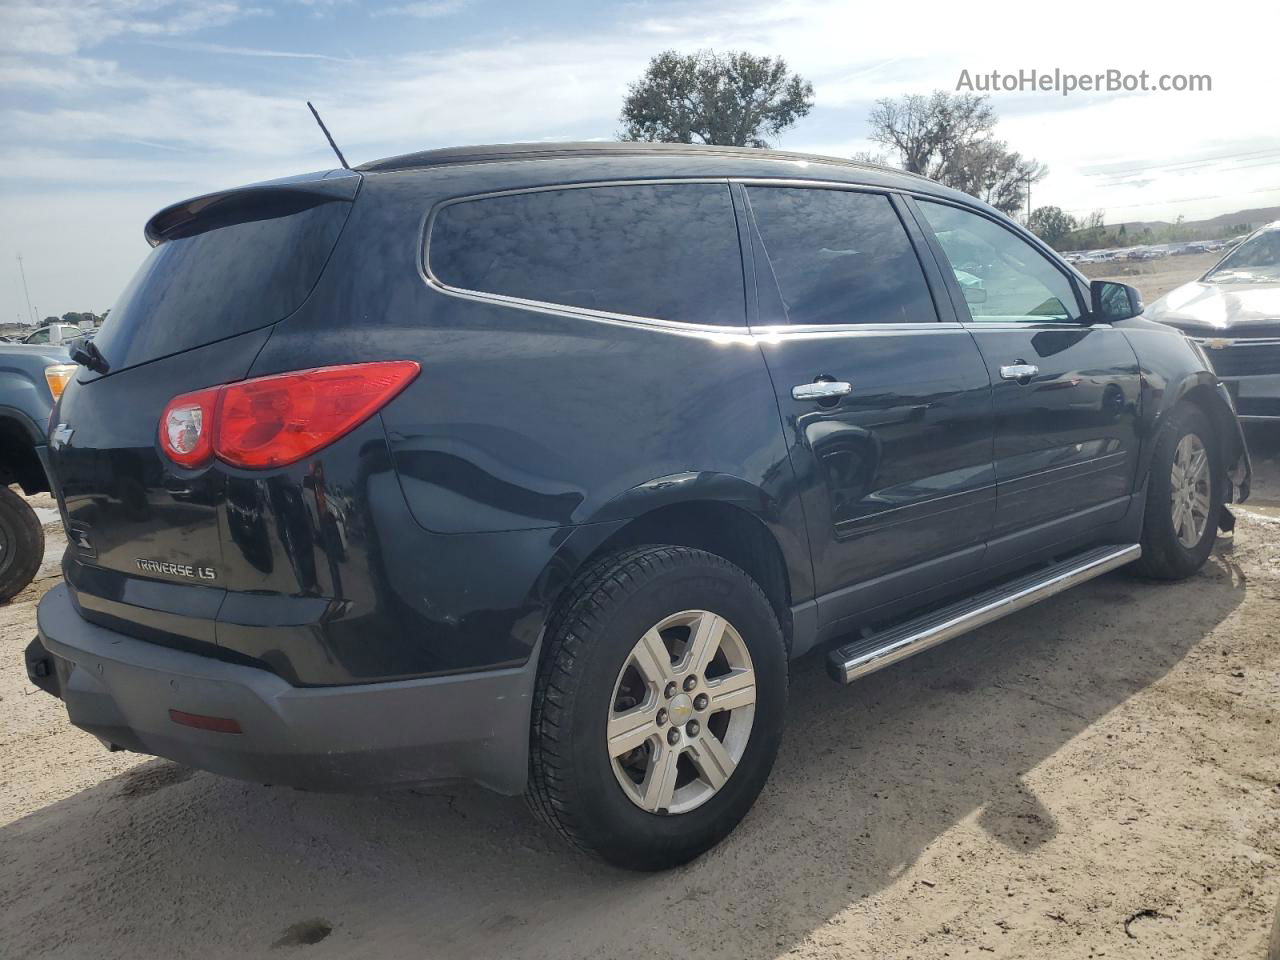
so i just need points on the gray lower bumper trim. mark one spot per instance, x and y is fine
(467, 727)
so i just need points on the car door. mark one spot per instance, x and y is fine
(1065, 390)
(885, 403)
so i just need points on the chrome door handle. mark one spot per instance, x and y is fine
(1018, 371)
(821, 390)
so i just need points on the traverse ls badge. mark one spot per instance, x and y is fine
(188, 570)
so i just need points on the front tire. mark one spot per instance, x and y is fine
(658, 708)
(1184, 497)
(21, 544)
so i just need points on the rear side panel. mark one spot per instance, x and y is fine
(127, 509)
(146, 536)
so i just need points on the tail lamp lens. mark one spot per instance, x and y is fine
(186, 429)
(275, 421)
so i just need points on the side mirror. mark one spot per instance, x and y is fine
(1114, 301)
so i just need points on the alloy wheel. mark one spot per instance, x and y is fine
(681, 713)
(1189, 483)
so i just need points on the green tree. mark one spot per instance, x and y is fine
(1051, 224)
(1090, 234)
(990, 171)
(734, 99)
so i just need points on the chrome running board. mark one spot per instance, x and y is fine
(869, 654)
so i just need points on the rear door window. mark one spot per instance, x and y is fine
(840, 256)
(662, 251)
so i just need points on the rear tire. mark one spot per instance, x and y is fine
(21, 544)
(629, 754)
(1184, 502)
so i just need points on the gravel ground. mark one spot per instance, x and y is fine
(1154, 278)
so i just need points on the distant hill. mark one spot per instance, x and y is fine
(1255, 218)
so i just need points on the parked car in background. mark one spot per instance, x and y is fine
(535, 465)
(1233, 312)
(31, 379)
(55, 334)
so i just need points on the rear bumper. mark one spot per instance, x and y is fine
(463, 727)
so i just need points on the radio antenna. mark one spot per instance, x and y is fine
(328, 136)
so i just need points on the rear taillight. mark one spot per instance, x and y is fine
(186, 427)
(277, 420)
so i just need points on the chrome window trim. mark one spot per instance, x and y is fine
(1006, 326)
(563, 309)
(720, 332)
(821, 184)
(819, 331)
(677, 327)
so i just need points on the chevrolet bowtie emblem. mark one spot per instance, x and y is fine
(1218, 343)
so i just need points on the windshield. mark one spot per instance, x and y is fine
(1257, 260)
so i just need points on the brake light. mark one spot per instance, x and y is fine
(277, 420)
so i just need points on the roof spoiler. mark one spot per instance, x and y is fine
(256, 201)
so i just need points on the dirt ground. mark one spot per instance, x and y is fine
(1154, 278)
(1098, 776)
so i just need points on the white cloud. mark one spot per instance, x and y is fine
(195, 46)
(425, 10)
(62, 27)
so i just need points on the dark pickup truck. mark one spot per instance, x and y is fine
(31, 378)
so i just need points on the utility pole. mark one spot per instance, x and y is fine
(25, 292)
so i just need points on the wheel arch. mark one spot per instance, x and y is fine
(19, 462)
(723, 515)
(1204, 391)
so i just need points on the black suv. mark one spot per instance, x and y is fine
(534, 465)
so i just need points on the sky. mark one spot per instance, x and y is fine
(111, 109)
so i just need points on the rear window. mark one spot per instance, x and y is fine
(665, 251)
(204, 285)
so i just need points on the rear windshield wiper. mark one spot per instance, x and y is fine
(87, 354)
